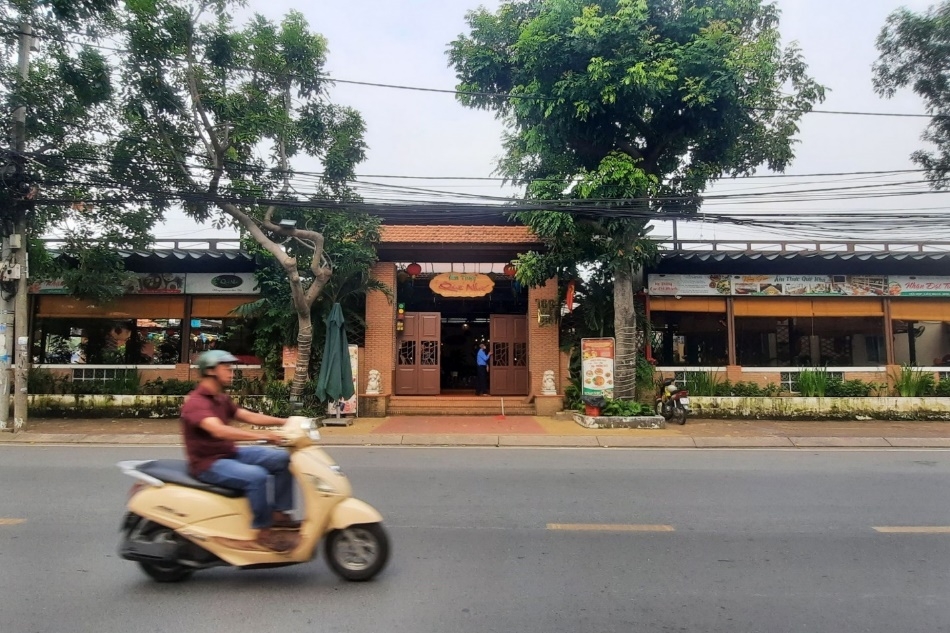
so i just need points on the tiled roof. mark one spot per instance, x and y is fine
(455, 234)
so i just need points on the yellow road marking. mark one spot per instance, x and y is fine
(12, 521)
(609, 527)
(913, 529)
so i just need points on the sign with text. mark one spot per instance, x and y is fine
(221, 284)
(769, 285)
(462, 285)
(918, 286)
(597, 366)
(689, 285)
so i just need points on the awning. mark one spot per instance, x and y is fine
(808, 308)
(688, 304)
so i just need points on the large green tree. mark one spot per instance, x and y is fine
(215, 112)
(641, 101)
(69, 98)
(915, 52)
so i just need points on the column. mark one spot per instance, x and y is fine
(381, 328)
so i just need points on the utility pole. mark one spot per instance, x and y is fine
(13, 280)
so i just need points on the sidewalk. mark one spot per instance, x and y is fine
(522, 431)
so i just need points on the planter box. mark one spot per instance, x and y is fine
(792, 408)
(106, 406)
(612, 422)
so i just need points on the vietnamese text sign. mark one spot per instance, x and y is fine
(221, 283)
(597, 366)
(462, 285)
(689, 285)
(918, 286)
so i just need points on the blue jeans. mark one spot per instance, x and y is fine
(249, 471)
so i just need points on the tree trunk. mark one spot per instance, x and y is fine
(625, 331)
(304, 346)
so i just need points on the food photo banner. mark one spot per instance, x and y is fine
(798, 286)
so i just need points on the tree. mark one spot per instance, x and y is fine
(351, 244)
(640, 101)
(915, 52)
(202, 98)
(70, 98)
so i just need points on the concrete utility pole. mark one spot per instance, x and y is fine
(13, 255)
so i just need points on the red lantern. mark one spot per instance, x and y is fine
(510, 270)
(413, 269)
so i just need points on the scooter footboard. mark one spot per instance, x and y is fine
(353, 512)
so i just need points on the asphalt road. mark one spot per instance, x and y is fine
(769, 541)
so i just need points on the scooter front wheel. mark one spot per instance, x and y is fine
(166, 572)
(358, 552)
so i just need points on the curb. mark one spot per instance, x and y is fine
(516, 441)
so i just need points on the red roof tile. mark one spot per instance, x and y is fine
(458, 235)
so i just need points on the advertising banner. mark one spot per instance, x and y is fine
(597, 366)
(919, 286)
(689, 285)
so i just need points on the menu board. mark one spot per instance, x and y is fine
(597, 366)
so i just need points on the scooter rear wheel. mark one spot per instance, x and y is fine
(679, 415)
(358, 552)
(166, 572)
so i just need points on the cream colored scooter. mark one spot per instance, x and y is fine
(177, 525)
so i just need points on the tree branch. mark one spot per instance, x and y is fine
(282, 150)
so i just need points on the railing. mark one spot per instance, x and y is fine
(667, 243)
(803, 246)
(213, 244)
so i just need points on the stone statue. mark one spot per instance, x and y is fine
(548, 386)
(372, 387)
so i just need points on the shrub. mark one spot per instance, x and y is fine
(911, 382)
(813, 383)
(626, 408)
(849, 389)
(942, 388)
(747, 390)
(703, 383)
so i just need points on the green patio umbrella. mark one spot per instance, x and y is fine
(335, 382)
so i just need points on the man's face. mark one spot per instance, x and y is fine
(224, 373)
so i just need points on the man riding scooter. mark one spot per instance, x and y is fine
(213, 457)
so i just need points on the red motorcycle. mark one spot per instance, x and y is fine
(673, 402)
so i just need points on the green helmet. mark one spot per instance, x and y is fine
(211, 359)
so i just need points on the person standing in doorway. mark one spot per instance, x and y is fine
(481, 360)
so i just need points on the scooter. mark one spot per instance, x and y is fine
(673, 402)
(177, 525)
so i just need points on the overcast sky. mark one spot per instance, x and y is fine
(429, 134)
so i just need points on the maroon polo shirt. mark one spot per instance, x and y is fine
(202, 448)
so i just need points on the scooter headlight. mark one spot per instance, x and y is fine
(310, 428)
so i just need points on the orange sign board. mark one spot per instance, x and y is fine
(462, 285)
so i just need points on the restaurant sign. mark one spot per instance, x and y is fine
(462, 285)
(170, 284)
(918, 286)
(769, 285)
(597, 366)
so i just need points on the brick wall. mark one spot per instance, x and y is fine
(380, 350)
(543, 352)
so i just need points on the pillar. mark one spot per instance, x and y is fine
(380, 351)
(543, 339)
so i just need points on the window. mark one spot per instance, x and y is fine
(231, 334)
(809, 342)
(107, 341)
(690, 339)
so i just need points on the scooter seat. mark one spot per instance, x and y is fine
(175, 471)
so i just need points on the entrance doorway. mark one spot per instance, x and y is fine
(418, 355)
(509, 355)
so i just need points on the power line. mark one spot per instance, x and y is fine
(504, 95)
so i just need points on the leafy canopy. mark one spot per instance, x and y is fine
(915, 52)
(630, 99)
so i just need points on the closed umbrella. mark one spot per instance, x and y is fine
(335, 382)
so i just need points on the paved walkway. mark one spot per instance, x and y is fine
(528, 431)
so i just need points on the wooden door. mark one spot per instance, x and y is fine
(509, 360)
(418, 357)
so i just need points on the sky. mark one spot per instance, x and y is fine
(428, 134)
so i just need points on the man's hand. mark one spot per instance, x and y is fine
(272, 437)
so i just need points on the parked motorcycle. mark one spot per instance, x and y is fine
(177, 525)
(672, 403)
